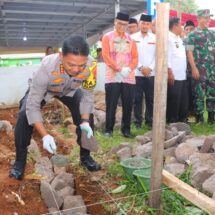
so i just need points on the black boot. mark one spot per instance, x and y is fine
(17, 170)
(199, 118)
(211, 117)
(87, 161)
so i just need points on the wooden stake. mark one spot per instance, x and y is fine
(199, 199)
(159, 114)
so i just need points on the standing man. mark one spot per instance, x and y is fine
(64, 76)
(201, 56)
(177, 99)
(120, 54)
(145, 72)
(188, 28)
(132, 26)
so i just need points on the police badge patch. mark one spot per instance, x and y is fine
(90, 83)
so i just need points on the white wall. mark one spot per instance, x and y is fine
(14, 83)
(100, 77)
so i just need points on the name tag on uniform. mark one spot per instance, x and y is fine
(151, 43)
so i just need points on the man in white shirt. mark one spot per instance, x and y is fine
(145, 71)
(177, 99)
(132, 26)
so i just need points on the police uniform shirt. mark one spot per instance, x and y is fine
(177, 57)
(51, 80)
(146, 51)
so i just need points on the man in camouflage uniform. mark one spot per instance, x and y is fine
(201, 56)
(188, 28)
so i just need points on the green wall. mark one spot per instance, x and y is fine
(19, 62)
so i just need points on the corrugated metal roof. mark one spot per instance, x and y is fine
(48, 22)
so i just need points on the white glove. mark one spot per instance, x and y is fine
(86, 127)
(125, 72)
(49, 144)
(119, 77)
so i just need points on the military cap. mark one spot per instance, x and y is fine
(204, 12)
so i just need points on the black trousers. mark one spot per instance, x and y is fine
(144, 85)
(112, 93)
(177, 102)
(23, 131)
(190, 95)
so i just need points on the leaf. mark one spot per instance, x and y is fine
(193, 211)
(119, 189)
(35, 177)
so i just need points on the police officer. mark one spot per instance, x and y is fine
(67, 76)
(145, 71)
(201, 56)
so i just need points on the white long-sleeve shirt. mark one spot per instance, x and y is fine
(146, 46)
(177, 60)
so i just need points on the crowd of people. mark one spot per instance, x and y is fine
(129, 52)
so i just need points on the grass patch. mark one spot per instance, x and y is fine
(202, 129)
(107, 143)
(134, 200)
(65, 131)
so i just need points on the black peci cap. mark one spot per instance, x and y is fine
(189, 23)
(146, 18)
(122, 16)
(132, 21)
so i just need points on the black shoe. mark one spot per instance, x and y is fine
(138, 126)
(17, 172)
(149, 124)
(211, 117)
(90, 164)
(127, 134)
(199, 118)
(108, 134)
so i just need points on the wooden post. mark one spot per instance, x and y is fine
(160, 95)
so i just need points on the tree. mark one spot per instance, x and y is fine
(183, 5)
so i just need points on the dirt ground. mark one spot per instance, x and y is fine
(30, 202)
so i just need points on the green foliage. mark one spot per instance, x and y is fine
(185, 176)
(107, 143)
(186, 6)
(93, 52)
(133, 199)
(203, 129)
(65, 132)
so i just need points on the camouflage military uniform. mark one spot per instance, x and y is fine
(202, 43)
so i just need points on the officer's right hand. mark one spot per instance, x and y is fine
(49, 144)
(195, 74)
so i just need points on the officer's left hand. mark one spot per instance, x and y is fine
(86, 127)
(125, 72)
